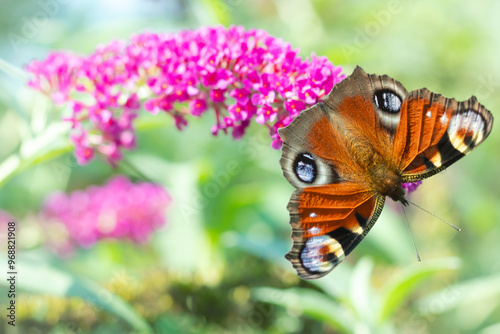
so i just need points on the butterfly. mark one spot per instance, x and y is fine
(346, 154)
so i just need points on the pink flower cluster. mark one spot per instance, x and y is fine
(119, 209)
(239, 74)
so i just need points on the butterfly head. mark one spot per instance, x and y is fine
(387, 182)
(391, 187)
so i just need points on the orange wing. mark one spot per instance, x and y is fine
(434, 132)
(327, 223)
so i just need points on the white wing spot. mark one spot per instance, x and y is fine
(428, 114)
(358, 230)
(443, 119)
(436, 160)
(312, 215)
(314, 230)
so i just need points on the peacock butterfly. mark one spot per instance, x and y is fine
(345, 154)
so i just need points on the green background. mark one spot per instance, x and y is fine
(218, 266)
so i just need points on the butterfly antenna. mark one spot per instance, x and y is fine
(411, 234)
(455, 227)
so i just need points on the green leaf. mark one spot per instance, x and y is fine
(474, 291)
(360, 293)
(493, 329)
(397, 290)
(335, 283)
(387, 242)
(219, 9)
(13, 70)
(271, 250)
(44, 279)
(49, 145)
(184, 323)
(187, 234)
(312, 303)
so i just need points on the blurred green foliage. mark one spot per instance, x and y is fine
(218, 266)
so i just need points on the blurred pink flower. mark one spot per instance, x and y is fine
(119, 209)
(411, 187)
(240, 74)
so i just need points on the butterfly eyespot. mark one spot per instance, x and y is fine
(388, 101)
(321, 253)
(466, 130)
(305, 168)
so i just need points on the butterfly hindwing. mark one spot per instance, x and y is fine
(328, 222)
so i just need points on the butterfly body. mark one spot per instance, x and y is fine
(366, 158)
(346, 154)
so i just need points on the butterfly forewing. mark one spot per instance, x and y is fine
(441, 131)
